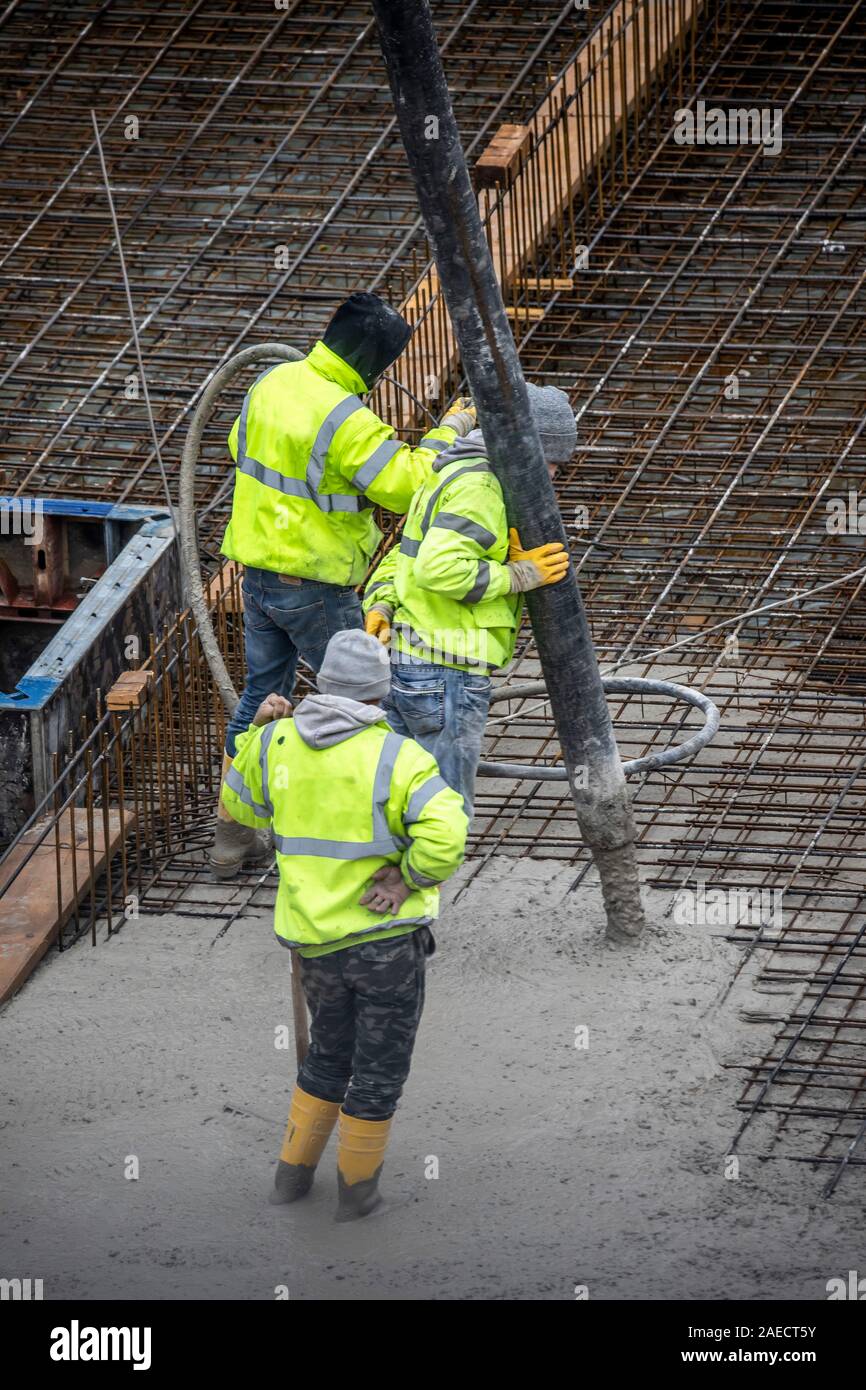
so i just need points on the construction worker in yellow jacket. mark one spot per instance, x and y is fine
(448, 599)
(312, 460)
(365, 830)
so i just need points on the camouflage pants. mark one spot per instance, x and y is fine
(365, 1005)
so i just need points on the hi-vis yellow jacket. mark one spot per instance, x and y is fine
(447, 582)
(338, 814)
(312, 461)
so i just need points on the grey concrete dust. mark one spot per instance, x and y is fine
(571, 1094)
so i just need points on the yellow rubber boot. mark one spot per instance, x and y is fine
(308, 1131)
(360, 1155)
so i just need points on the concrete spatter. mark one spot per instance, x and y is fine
(621, 891)
(559, 1164)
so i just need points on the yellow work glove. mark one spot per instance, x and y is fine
(461, 416)
(532, 569)
(378, 622)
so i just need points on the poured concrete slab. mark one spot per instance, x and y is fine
(561, 1167)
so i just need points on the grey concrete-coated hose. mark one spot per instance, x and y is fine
(189, 554)
(616, 685)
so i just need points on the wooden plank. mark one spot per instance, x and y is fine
(553, 284)
(30, 915)
(129, 691)
(219, 588)
(502, 155)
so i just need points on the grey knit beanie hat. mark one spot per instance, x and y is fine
(554, 419)
(356, 665)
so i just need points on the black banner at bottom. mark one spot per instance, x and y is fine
(159, 1338)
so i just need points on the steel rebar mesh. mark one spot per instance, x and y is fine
(715, 355)
(713, 350)
(258, 177)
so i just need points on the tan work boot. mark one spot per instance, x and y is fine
(360, 1155)
(310, 1124)
(235, 845)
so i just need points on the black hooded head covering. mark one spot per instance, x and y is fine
(368, 334)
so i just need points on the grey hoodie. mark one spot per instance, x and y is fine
(470, 445)
(322, 720)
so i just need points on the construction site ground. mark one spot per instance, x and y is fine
(702, 305)
(568, 1160)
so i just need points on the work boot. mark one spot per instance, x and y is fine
(308, 1131)
(234, 844)
(360, 1155)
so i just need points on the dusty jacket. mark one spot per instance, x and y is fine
(447, 582)
(345, 795)
(312, 460)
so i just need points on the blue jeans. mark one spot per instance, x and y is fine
(445, 711)
(282, 622)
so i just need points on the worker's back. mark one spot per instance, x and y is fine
(295, 509)
(312, 461)
(365, 830)
(345, 795)
(456, 525)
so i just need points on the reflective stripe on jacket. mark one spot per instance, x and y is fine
(338, 814)
(312, 461)
(447, 581)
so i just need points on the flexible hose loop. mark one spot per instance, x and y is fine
(189, 555)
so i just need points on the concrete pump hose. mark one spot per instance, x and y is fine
(616, 685)
(189, 556)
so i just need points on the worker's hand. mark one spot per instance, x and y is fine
(378, 622)
(387, 891)
(532, 569)
(274, 707)
(461, 416)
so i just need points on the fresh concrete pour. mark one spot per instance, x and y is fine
(570, 1095)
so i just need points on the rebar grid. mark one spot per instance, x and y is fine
(713, 350)
(258, 178)
(715, 354)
